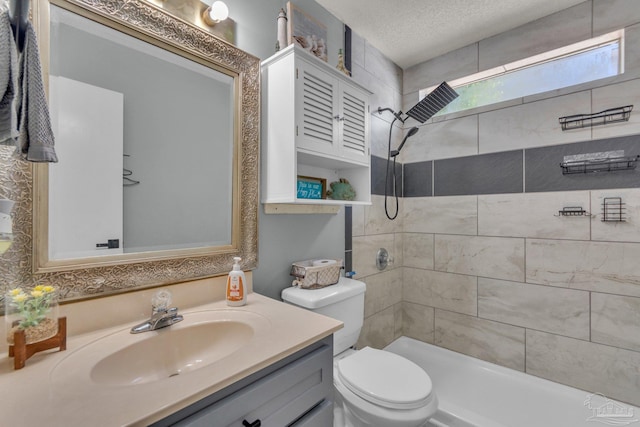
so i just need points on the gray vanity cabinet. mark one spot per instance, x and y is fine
(296, 391)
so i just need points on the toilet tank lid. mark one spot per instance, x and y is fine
(316, 298)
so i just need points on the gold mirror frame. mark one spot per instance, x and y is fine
(101, 275)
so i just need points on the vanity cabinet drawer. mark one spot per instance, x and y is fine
(320, 416)
(297, 394)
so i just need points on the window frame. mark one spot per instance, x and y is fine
(545, 57)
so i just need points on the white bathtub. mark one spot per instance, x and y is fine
(475, 393)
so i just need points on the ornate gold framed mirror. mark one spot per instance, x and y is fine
(165, 118)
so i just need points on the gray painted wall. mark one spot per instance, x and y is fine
(284, 239)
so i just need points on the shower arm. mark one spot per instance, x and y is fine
(397, 115)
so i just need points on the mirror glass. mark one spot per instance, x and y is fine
(145, 139)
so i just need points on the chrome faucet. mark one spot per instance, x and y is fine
(161, 315)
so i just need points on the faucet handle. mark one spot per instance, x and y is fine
(161, 301)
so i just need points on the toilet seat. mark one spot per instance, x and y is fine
(385, 379)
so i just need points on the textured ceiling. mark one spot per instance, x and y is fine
(413, 31)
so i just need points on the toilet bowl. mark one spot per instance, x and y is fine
(378, 388)
(371, 387)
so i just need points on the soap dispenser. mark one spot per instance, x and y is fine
(236, 285)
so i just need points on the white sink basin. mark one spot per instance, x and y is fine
(124, 359)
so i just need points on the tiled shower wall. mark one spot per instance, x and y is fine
(371, 229)
(483, 265)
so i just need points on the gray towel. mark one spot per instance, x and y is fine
(8, 82)
(35, 142)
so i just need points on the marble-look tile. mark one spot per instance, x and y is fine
(417, 250)
(417, 322)
(611, 15)
(617, 95)
(592, 266)
(449, 215)
(417, 180)
(382, 67)
(631, 53)
(365, 249)
(357, 49)
(375, 218)
(585, 365)
(378, 330)
(533, 215)
(379, 179)
(382, 95)
(494, 257)
(532, 125)
(449, 138)
(398, 320)
(555, 310)
(398, 248)
(357, 220)
(492, 173)
(409, 100)
(491, 341)
(383, 291)
(615, 320)
(459, 63)
(380, 134)
(453, 292)
(627, 231)
(557, 30)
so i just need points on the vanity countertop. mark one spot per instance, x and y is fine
(33, 396)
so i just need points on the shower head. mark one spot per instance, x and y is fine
(409, 134)
(439, 98)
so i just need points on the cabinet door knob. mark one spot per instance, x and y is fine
(256, 423)
(338, 118)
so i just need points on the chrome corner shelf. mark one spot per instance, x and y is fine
(609, 164)
(612, 115)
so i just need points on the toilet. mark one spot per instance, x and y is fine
(372, 387)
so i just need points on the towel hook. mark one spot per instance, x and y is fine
(19, 18)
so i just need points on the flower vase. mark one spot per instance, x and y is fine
(33, 311)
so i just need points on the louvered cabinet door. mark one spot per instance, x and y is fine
(354, 124)
(316, 115)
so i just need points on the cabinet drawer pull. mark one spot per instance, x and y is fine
(256, 423)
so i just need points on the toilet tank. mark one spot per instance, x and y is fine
(343, 301)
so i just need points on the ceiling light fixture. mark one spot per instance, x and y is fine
(215, 13)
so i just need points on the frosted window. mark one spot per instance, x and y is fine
(583, 62)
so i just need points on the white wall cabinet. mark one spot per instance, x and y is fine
(315, 122)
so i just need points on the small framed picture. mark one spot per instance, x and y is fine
(311, 188)
(305, 31)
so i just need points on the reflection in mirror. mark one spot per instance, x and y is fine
(146, 142)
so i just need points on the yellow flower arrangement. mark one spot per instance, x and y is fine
(33, 306)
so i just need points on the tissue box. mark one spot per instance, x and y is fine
(314, 274)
